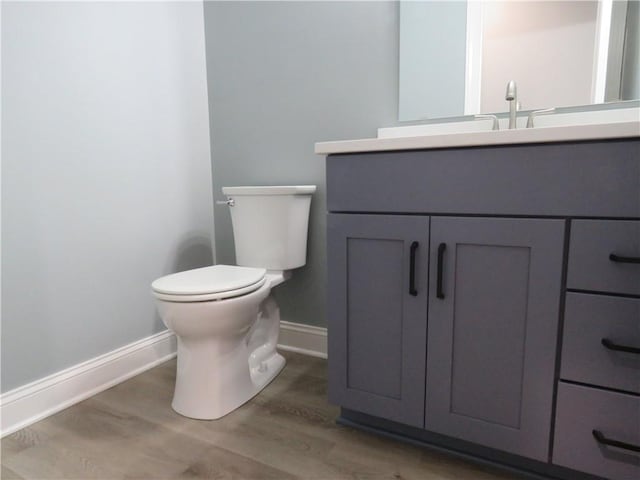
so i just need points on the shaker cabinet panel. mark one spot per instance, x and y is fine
(377, 286)
(495, 287)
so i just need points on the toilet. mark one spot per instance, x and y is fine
(224, 317)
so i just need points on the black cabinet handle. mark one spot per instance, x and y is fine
(412, 269)
(599, 436)
(620, 348)
(620, 259)
(441, 249)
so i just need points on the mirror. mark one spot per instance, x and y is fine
(456, 58)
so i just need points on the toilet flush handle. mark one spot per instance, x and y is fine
(228, 202)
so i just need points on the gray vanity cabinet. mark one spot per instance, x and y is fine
(526, 288)
(493, 319)
(377, 292)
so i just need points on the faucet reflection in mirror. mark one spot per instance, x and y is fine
(561, 53)
(512, 97)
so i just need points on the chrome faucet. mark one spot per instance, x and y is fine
(512, 98)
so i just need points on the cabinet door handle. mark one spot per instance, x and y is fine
(620, 348)
(599, 436)
(620, 259)
(441, 249)
(412, 269)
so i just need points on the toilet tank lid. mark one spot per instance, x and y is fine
(209, 280)
(270, 190)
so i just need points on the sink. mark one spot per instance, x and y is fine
(483, 125)
(556, 127)
(588, 118)
(467, 126)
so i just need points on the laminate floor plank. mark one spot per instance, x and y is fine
(288, 431)
(250, 432)
(7, 474)
(27, 437)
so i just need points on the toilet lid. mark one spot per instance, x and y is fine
(210, 280)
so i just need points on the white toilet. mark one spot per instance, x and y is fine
(224, 317)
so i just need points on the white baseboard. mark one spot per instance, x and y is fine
(37, 400)
(305, 339)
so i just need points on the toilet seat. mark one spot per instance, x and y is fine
(209, 283)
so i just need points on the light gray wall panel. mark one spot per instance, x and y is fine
(282, 76)
(105, 174)
(432, 59)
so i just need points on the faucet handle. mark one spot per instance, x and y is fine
(533, 114)
(496, 124)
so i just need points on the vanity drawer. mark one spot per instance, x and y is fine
(583, 410)
(588, 320)
(603, 256)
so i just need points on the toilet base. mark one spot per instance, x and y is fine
(263, 374)
(260, 377)
(217, 374)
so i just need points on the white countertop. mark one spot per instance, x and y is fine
(600, 131)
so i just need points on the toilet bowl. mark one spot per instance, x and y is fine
(224, 317)
(227, 337)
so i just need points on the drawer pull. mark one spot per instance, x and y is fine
(599, 436)
(620, 348)
(620, 259)
(412, 269)
(441, 249)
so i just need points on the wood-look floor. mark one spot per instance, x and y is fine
(287, 431)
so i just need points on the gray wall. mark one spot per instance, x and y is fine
(433, 50)
(282, 76)
(105, 174)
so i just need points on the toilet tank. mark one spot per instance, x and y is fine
(270, 225)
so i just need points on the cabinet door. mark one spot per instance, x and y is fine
(376, 325)
(493, 322)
